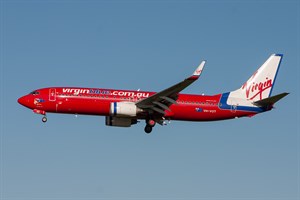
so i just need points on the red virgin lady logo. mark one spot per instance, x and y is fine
(254, 89)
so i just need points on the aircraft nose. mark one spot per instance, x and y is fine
(23, 101)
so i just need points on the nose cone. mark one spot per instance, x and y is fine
(23, 101)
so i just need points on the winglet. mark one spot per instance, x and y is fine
(198, 71)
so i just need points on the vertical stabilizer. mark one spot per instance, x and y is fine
(260, 85)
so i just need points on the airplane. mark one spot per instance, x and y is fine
(124, 108)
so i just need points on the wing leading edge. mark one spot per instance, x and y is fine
(161, 101)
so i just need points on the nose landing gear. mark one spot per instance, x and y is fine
(41, 112)
(44, 119)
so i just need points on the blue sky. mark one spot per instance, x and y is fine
(147, 45)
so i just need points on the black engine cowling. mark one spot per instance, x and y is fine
(120, 122)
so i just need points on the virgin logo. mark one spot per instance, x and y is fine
(254, 89)
(198, 71)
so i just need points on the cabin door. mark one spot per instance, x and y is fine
(52, 94)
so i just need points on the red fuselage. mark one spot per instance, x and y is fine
(95, 101)
(123, 108)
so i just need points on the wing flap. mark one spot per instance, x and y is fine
(158, 110)
(172, 101)
(163, 106)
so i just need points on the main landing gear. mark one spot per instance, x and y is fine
(148, 129)
(149, 125)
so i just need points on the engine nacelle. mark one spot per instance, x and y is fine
(121, 122)
(123, 109)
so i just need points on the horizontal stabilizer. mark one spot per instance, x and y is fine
(270, 100)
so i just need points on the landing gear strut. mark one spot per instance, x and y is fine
(41, 112)
(149, 125)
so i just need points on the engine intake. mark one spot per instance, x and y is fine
(123, 109)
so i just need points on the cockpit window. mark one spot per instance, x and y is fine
(35, 92)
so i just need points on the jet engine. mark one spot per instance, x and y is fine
(123, 109)
(121, 122)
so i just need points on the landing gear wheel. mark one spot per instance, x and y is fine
(148, 129)
(150, 122)
(44, 119)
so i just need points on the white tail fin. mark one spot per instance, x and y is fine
(260, 84)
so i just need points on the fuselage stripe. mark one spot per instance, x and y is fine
(225, 106)
(115, 108)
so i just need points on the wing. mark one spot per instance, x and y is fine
(161, 101)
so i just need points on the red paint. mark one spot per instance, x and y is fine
(82, 101)
(41, 112)
(255, 89)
